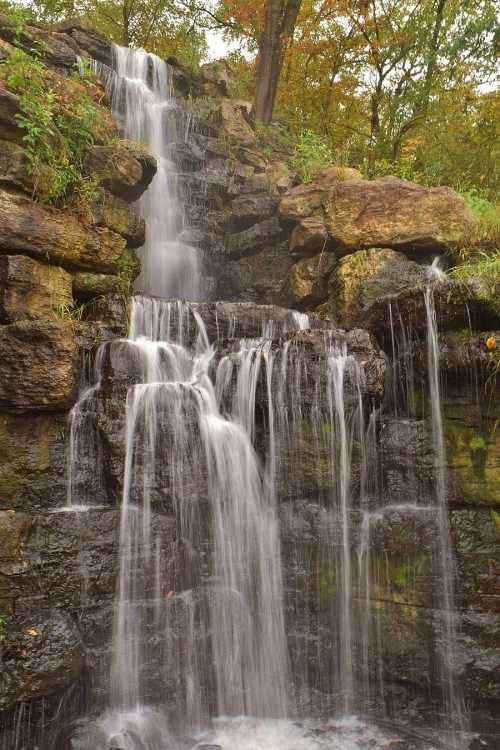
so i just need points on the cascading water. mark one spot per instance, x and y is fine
(140, 91)
(201, 601)
(454, 710)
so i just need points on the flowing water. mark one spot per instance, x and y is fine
(213, 439)
(454, 709)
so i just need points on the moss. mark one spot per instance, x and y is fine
(475, 456)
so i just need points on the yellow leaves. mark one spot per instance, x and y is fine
(32, 632)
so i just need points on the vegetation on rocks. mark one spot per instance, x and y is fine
(60, 121)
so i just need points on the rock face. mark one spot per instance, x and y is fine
(389, 212)
(38, 365)
(29, 289)
(124, 170)
(367, 276)
(386, 212)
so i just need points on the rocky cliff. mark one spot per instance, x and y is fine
(351, 250)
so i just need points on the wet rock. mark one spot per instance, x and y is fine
(29, 289)
(110, 312)
(38, 365)
(247, 210)
(260, 277)
(264, 234)
(308, 237)
(115, 214)
(309, 280)
(41, 655)
(368, 277)
(456, 305)
(125, 170)
(32, 461)
(394, 213)
(55, 235)
(257, 183)
(407, 456)
(93, 284)
(476, 535)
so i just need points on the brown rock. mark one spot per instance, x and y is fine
(93, 284)
(9, 108)
(305, 200)
(122, 168)
(309, 280)
(389, 212)
(29, 289)
(308, 237)
(39, 361)
(57, 236)
(233, 120)
(115, 214)
(32, 461)
(14, 166)
(367, 277)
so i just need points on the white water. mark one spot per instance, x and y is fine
(454, 710)
(190, 439)
(142, 101)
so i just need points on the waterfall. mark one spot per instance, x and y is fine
(454, 711)
(140, 91)
(222, 427)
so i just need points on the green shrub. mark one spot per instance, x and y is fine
(481, 269)
(311, 154)
(60, 121)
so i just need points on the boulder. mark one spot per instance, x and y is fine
(29, 289)
(309, 280)
(59, 50)
(89, 41)
(305, 200)
(263, 234)
(215, 78)
(394, 213)
(279, 178)
(32, 461)
(252, 158)
(123, 169)
(308, 237)
(115, 214)
(39, 360)
(234, 121)
(56, 236)
(246, 210)
(94, 284)
(369, 276)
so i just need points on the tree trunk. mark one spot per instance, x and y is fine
(279, 25)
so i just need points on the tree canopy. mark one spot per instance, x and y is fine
(406, 86)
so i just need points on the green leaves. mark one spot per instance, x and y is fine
(60, 121)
